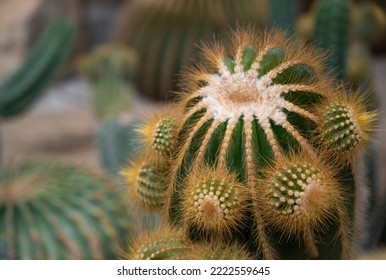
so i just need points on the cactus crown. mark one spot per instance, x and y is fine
(255, 149)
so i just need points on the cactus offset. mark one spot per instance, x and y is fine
(56, 211)
(162, 244)
(146, 184)
(254, 163)
(110, 69)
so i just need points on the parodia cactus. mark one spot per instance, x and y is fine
(51, 210)
(264, 152)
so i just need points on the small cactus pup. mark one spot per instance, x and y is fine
(161, 244)
(51, 210)
(258, 160)
(110, 69)
(166, 243)
(146, 183)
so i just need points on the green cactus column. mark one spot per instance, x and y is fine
(56, 211)
(38, 70)
(165, 34)
(331, 32)
(265, 151)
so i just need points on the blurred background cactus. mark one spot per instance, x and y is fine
(23, 87)
(50, 210)
(110, 69)
(165, 34)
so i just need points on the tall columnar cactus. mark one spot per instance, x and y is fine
(26, 85)
(56, 211)
(265, 151)
(165, 34)
(332, 26)
(110, 69)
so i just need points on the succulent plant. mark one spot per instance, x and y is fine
(332, 27)
(265, 151)
(165, 243)
(165, 34)
(24, 86)
(110, 69)
(57, 211)
(116, 143)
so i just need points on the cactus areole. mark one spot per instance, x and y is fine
(264, 154)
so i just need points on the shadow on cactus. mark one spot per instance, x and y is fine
(266, 151)
(56, 211)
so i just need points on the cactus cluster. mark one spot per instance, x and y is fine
(110, 69)
(165, 34)
(24, 86)
(264, 152)
(52, 210)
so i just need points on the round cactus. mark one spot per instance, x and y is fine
(162, 244)
(146, 184)
(214, 201)
(165, 34)
(255, 150)
(56, 211)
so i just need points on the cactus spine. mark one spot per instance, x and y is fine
(56, 211)
(24, 86)
(165, 32)
(251, 164)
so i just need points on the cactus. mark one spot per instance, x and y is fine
(162, 244)
(266, 151)
(116, 142)
(166, 243)
(165, 32)
(110, 69)
(27, 84)
(57, 211)
(332, 32)
(146, 183)
(283, 15)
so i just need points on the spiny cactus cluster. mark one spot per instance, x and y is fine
(165, 34)
(166, 243)
(56, 211)
(263, 152)
(110, 69)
